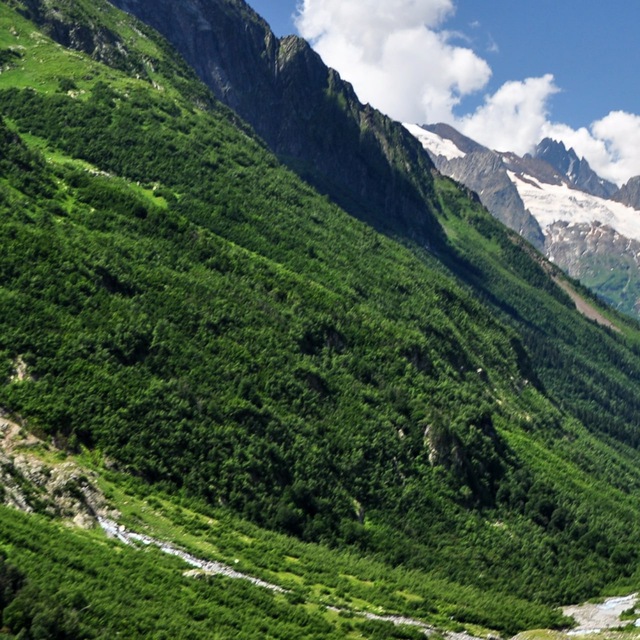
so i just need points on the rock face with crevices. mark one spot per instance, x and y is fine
(80, 33)
(30, 484)
(312, 119)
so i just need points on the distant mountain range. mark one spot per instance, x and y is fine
(583, 223)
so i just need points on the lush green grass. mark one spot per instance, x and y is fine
(320, 577)
(318, 574)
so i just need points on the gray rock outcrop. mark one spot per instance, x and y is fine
(629, 194)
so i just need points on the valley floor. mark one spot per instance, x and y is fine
(118, 520)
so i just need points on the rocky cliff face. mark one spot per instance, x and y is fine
(486, 173)
(629, 194)
(231, 49)
(305, 112)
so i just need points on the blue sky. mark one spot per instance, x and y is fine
(504, 71)
(591, 48)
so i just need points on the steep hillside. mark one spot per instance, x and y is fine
(187, 311)
(305, 112)
(247, 581)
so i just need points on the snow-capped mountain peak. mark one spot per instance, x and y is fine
(575, 169)
(556, 201)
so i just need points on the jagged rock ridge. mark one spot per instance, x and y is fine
(629, 194)
(577, 170)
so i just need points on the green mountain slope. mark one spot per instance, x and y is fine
(366, 163)
(180, 304)
(61, 580)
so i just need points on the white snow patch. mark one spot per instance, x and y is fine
(434, 143)
(550, 203)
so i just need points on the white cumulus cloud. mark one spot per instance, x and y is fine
(394, 54)
(401, 59)
(512, 118)
(620, 133)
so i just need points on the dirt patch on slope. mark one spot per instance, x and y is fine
(584, 307)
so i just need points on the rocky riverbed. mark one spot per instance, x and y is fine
(594, 618)
(209, 567)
